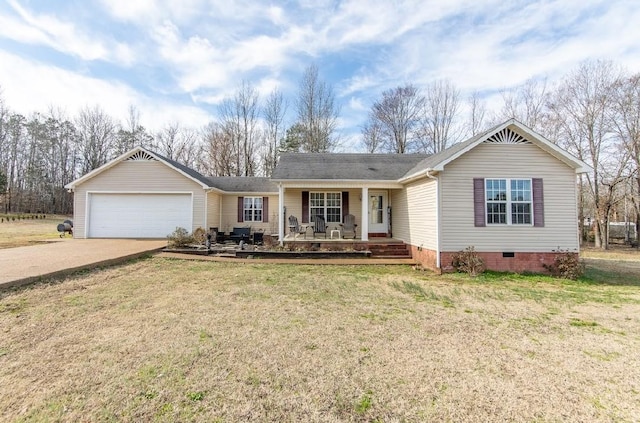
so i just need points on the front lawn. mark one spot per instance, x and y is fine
(169, 340)
(27, 230)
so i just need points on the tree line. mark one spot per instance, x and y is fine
(593, 112)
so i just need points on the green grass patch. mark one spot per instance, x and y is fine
(364, 403)
(582, 323)
(603, 355)
(196, 396)
(419, 293)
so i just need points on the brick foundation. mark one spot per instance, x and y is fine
(520, 263)
(425, 257)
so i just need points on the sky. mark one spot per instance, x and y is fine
(176, 60)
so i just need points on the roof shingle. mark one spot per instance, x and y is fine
(344, 166)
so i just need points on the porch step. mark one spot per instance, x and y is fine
(396, 250)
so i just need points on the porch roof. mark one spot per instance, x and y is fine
(344, 166)
(231, 184)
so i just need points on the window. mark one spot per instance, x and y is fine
(508, 201)
(327, 205)
(252, 210)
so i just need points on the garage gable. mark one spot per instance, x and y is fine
(141, 155)
(138, 195)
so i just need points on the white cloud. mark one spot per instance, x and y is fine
(64, 36)
(202, 50)
(35, 87)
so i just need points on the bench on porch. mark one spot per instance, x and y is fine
(240, 234)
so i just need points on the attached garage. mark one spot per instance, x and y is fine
(137, 215)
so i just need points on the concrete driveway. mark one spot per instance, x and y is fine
(22, 265)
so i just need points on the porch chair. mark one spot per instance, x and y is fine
(319, 226)
(295, 228)
(349, 225)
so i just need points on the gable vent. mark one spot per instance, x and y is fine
(507, 136)
(141, 156)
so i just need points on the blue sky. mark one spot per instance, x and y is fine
(176, 60)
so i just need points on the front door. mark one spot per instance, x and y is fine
(378, 220)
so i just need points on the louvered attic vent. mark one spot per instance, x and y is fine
(507, 136)
(141, 156)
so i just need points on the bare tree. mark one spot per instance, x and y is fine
(580, 109)
(526, 103)
(626, 121)
(317, 112)
(439, 126)
(178, 143)
(132, 133)
(218, 157)
(477, 112)
(274, 111)
(372, 134)
(239, 118)
(394, 120)
(96, 137)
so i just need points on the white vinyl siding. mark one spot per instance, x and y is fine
(293, 204)
(520, 161)
(229, 216)
(138, 176)
(213, 210)
(414, 214)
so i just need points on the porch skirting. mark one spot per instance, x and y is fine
(498, 261)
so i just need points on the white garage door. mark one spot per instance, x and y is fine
(138, 215)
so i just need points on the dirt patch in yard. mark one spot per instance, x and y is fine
(170, 340)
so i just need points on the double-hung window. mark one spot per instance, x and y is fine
(252, 210)
(326, 204)
(508, 201)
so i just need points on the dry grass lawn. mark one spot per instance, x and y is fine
(167, 340)
(18, 233)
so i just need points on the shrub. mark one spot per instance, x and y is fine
(199, 235)
(566, 265)
(269, 241)
(468, 261)
(180, 238)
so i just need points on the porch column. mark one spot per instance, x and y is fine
(364, 220)
(280, 213)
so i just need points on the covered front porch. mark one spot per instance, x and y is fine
(320, 211)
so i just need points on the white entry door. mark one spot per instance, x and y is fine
(378, 219)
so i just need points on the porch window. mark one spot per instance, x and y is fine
(327, 205)
(508, 201)
(252, 209)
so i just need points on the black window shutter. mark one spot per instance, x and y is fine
(478, 202)
(345, 204)
(538, 202)
(240, 209)
(265, 209)
(305, 206)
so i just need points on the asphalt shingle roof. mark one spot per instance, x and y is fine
(194, 174)
(243, 184)
(341, 166)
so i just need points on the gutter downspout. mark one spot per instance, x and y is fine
(429, 175)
